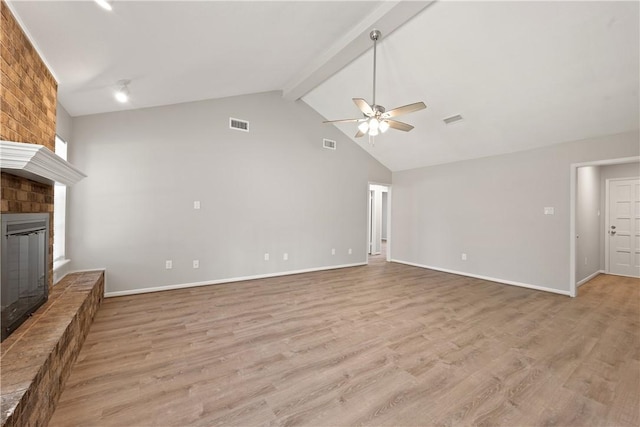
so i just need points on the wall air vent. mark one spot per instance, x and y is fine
(452, 119)
(329, 144)
(238, 124)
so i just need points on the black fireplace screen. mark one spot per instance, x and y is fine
(24, 285)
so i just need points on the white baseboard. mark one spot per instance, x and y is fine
(228, 280)
(620, 275)
(491, 279)
(586, 279)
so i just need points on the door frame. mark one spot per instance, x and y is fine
(606, 219)
(389, 190)
(573, 168)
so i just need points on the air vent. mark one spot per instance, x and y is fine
(452, 119)
(329, 144)
(238, 124)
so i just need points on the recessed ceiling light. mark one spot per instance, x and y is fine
(105, 4)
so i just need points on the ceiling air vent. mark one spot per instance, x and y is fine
(329, 144)
(238, 124)
(452, 119)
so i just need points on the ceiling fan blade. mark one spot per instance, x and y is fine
(399, 125)
(364, 106)
(359, 134)
(342, 121)
(405, 109)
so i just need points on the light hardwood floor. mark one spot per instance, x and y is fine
(386, 344)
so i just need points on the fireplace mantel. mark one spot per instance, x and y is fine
(38, 163)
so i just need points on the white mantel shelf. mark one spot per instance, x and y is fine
(38, 163)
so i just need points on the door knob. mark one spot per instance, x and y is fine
(613, 227)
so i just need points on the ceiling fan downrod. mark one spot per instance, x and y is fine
(374, 35)
(376, 117)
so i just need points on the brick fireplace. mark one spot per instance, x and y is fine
(28, 95)
(36, 359)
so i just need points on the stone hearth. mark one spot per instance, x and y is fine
(37, 358)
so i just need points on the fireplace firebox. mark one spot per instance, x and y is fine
(24, 274)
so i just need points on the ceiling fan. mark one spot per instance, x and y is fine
(376, 119)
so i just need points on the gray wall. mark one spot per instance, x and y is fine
(626, 170)
(587, 221)
(64, 123)
(492, 209)
(274, 189)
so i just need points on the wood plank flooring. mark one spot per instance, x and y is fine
(386, 344)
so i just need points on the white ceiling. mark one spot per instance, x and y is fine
(522, 74)
(180, 51)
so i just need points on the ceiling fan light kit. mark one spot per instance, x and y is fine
(122, 94)
(376, 119)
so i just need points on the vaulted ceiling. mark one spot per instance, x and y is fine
(521, 74)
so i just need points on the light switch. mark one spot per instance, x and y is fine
(548, 211)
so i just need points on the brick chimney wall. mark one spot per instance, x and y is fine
(28, 96)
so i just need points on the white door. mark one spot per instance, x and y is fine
(623, 228)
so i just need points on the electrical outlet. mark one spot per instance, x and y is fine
(266, 257)
(463, 256)
(285, 256)
(585, 261)
(350, 251)
(333, 251)
(168, 264)
(196, 204)
(196, 263)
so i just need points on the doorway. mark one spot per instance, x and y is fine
(589, 227)
(379, 220)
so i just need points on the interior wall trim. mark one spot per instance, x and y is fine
(228, 280)
(589, 277)
(491, 279)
